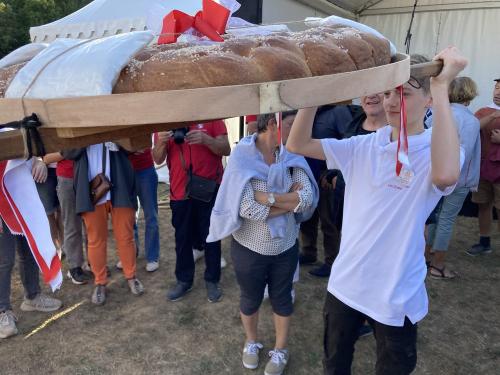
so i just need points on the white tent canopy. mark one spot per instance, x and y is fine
(108, 17)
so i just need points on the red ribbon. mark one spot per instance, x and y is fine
(402, 153)
(210, 22)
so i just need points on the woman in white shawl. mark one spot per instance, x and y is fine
(265, 193)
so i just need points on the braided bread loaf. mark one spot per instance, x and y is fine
(236, 61)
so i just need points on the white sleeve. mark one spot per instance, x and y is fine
(339, 153)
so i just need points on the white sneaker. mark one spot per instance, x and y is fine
(250, 356)
(7, 324)
(119, 265)
(223, 262)
(198, 254)
(152, 266)
(41, 303)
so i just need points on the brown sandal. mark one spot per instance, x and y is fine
(441, 275)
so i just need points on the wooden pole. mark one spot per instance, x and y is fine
(428, 69)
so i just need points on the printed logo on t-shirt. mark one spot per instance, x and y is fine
(403, 181)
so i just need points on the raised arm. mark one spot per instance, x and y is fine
(300, 140)
(445, 145)
(160, 147)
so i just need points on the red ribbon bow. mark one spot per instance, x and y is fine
(210, 22)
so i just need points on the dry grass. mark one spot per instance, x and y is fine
(148, 335)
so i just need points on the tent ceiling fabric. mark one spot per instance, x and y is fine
(108, 17)
(352, 5)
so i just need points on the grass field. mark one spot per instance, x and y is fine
(148, 335)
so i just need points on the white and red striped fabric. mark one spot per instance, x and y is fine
(23, 212)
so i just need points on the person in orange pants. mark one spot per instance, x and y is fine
(96, 222)
(120, 202)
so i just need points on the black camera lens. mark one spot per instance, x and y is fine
(179, 135)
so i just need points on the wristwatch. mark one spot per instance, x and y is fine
(270, 199)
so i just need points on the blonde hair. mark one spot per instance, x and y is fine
(462, 90)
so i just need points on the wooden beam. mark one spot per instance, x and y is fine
(136, 136)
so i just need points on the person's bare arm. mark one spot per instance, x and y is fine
(218, 145)
(39, 170)
(300, 141)
(445, 144)
(485, 120)
(160, 147)
(285, 201)
(52, 158)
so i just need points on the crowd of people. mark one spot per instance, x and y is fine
(386, 224)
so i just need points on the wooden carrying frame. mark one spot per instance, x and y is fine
(131, 118)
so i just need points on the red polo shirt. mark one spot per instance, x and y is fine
(204, 162)
(141, 160)
(65, 168)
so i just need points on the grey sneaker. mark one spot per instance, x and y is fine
(278, 362)
(99, 295)
(41, 303)
(7, 324)
(178, 291)
(214, 292)
(478, 249)
(250, 356)
(135, 286)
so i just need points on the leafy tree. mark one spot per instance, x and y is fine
(17, 16)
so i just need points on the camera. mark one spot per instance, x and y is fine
(179, 135)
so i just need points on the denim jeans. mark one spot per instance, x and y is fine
(441, 231)
(28, 268)
(190, 216)
(146, 182)
(396, 346)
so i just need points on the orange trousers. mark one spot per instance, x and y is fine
(96, 223)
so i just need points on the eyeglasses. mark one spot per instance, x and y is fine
(415, 83)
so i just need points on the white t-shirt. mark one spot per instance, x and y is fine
(380, 269)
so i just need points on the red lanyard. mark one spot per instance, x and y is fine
(402, 153)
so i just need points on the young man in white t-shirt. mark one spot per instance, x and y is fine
(380, 270)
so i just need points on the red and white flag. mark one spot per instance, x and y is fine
(23, 213)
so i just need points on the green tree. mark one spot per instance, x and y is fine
(17, 16)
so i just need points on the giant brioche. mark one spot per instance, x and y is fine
(236, 61)
(317, 51)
